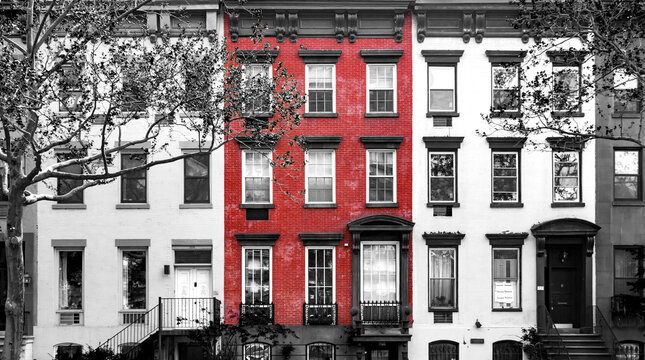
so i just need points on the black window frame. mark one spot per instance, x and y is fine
(69, 184)
(205, 180)
(455, 306)
(639, 186)
(505, 355)
(443, 343)
(635, 251)
(130, 176)
(319, 343)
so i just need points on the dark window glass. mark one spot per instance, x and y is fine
(70, 91)
(505, 177)
(507, 350)
(256, 273)
(320, 272)
(627, 93)
(506, 88)
(133, 184)
(134, 279)
(442, 177)
(69, 352)
(630, 350)
(66, 185)
(257, 351)
(626, 263)
(70, 279)
(443, 350)
(196, 179)
(193, 256)
(320, 351)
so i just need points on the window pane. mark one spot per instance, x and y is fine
(565, 87)
(320, 176)
(69, 352)
(506, 278)
(133, 184)
(379, 272)
(626, 162)
(257, 286)
(193, 256)
(134, 279)
(441, 100)
(320, 351)
(505, 182)
(70, 279)
(442, 281)
(66, 185)
(196, 179)
(381, 176)
(443, 351)
(320, 272)
(566, 176)
(257, 178)
(257, 351)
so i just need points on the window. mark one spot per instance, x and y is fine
(507, 350)
(626, 263)
(442, 88)
(629, 350)
(566, 176)
(134, 183)
(381, 176)
(505, 176)
(197, 84)
(320, 275)
(70, 279)
(506, 278)
(196, 179)
(443, 278)
(258, 82)
(133, 279)
(320, 351)
(506, 87)
(442, 176)
(257, 177)
(379, 271)
(443, 350)
(66, 185)
(69, 351)
(257, 276)
(627, 97)
(133, 89)
(627, 175)
(321, 80)
(381, 85)
(566, 88)
(257, 351)
(320, 170)
(70, 90)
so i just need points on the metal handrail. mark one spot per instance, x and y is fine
(552, 330)
(601, 327)
(126, 340)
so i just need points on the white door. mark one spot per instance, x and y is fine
(193, 305)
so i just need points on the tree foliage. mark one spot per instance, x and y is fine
(583, 77)
(84, 81)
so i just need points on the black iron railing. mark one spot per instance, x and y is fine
(125, 341)
(189, 313)
(381, 313)
(320, 314)
(256, 314)
(602, 328)
(557, 349)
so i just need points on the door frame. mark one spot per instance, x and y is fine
(578, 292)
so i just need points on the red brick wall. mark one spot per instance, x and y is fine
(289, 218)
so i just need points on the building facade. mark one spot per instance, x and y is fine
(332, 262)
(500, 235)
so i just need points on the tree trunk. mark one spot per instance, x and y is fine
(15, 305)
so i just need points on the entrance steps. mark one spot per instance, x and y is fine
(578, 346)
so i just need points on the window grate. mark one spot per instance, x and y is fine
(133, 317)
(70, 318)
(443, 318)
(441, 121)
(442, 211)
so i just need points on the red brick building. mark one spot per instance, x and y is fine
(324, 248)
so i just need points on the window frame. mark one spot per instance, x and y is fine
(455, 307)
(59, 308)
(454, 89)
(207, 178)
(518, 71)
(513, 343)
(333, 176)
(455, 175)
(442, 342)
(74, 91)
(75, 346)
(332, 347)
(368, 66)
(397, 268)
(79, 197)
(639, 174)
(627, 248)
(244, 249)
(333, 87)
(257, 343)
(518, 177)
(128, 176)
(333, 272)
(638, 89)
(579, 176)
(266, 154)
(518, 249)
(268, 67)
(578, 95)
(367, 176)
(122, 251)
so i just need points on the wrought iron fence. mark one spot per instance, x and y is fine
(557, 349)
(256, 314)
(320, 314)
(602, 328)
(381, 312)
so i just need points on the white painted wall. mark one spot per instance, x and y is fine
(475, 218)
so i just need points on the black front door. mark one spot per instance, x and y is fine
(565, 284)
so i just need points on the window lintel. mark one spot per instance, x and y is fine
(140, 243)
(320, 239)
(323, 56)
(505, 56)
(255, 143)
(257, 239)
(438, 239)
(506, 143)
(443, 142)
(566, 143)
(507, 239)
(381, 56)
(566, 58)
(69, 243)
(256, 56)
(322, 142)
(381, 142)
(442, 57)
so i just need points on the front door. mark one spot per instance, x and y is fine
(193, 304)
(565, 284)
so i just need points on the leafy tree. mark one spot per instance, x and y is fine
(604, 40)
(86, 77)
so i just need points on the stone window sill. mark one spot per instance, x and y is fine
(320, 115)
(257, 206)
(195, 206)
(69, 206)
(435, 204)
(442, 113)
(320, 206)
(567, 205)
(635, 203)
(382, 115)
(506, 205)
(382, 205)
(507, 310)
(505, 114)
(133, 206)
(567, 114)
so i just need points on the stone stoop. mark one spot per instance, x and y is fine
(579, 346)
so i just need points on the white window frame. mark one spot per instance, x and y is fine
(269, 74)
(333, 86)
(269, 156)
(517, 176)
(456, 277)
(59, 310)
(454, 177)
(244, 248)
(557, 68)
(121, 284)
(367, 88)
(398, 260)
(516, 66)
(553, 186)
(333, 270)
(333, 176)
(454, 88)
(519, 277)
(367, 176)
